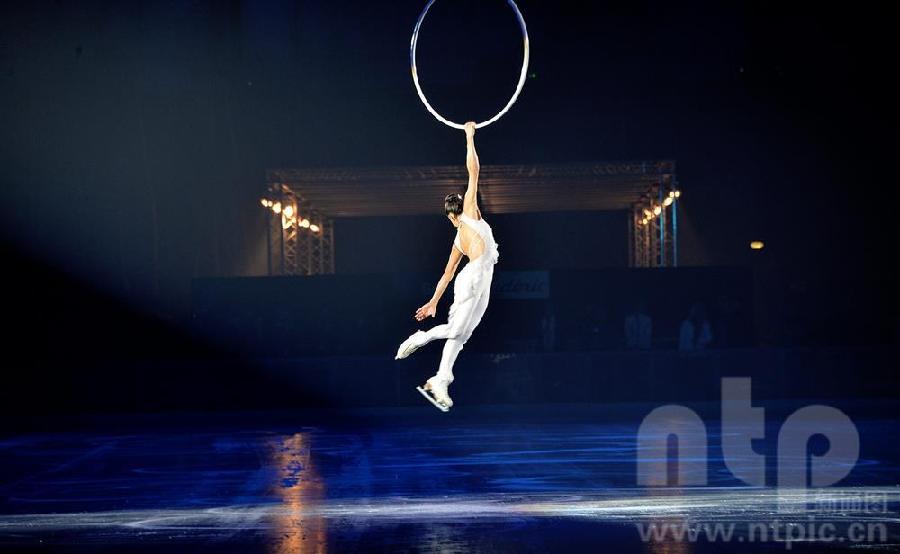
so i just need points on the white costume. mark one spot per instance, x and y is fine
(471, 294)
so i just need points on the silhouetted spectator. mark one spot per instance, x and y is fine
(696, 332)
(596, 317)
(548, 328)
(638, 328)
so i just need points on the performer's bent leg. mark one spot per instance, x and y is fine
(459, 320)
(421, 338)
(461, 314)
(437, 332)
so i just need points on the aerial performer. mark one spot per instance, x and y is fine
(471, 290)
(474, 240)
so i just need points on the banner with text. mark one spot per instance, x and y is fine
(521, 285)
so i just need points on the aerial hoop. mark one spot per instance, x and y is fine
(415, 76)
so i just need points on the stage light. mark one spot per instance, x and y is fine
(277, 207)
(289, 211)
(287, 222)
(314, 228)
(647, 213)
(668, 201)
(657, 210)
(264, 202)
(671, 194)
(677, 194)
(304, 223)
(757, 245)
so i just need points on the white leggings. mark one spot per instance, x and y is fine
(471, 294)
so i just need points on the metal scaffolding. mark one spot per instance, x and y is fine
(300, 238)
(653, 226)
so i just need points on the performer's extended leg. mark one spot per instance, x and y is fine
(456, 341)
(469, 304)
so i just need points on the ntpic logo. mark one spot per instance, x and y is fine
(816, 447)
(797, 465)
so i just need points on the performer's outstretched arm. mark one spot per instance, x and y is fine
(430, 308)
(470, 201)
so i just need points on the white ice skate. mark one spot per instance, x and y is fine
(410, 345)
(436, 392)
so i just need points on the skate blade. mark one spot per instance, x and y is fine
(431, 399)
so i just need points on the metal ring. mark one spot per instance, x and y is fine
(415, 76)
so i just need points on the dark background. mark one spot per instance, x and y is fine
(135, 138)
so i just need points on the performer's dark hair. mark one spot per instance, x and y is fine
(453, 203)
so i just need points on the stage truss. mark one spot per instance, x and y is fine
(653, 226)
(301, 239)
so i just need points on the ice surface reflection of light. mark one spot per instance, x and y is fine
(630, 505)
